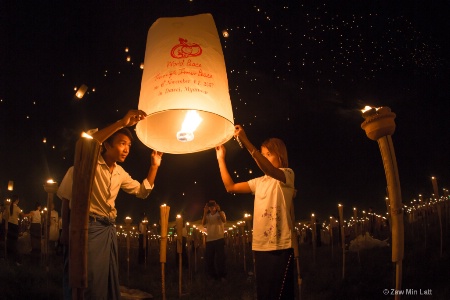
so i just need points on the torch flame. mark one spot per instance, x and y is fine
(85, 135)
(366, 108)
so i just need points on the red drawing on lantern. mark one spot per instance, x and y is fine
(185, 49)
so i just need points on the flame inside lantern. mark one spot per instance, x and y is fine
(190, 124)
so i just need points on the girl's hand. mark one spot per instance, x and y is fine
(240, 133)
(221, 152)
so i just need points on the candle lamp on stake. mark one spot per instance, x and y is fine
(379, 125)
(314, 237)
(179, 223)
(341, 226)
(164, 222)
(128, 222)
(145, 238)
(51, 187)
(355, 217)
(241, 226)
(438, 206)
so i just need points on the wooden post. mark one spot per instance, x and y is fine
(51, 188)
(294, 240)
(179, 223)
(164, 214)
(128, 221)
(379, 126)
(86, 156)
(314, 236)
(331, 237)
(341, 226)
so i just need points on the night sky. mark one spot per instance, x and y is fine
(297, 71)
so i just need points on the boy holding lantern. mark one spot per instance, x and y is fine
(109, 178)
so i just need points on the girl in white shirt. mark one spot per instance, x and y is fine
(272, 244)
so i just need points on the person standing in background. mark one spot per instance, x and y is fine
(53, 235)
(13, 231)
(214, 220)
(36, 229)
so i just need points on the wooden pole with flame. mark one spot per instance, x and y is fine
(438, 206)
(331, 236)
(379, 125)
(87, 151)
(145, 240)
(51, 187)
(128, 221)
(355, 217)
(294, 240)
(179, 223)
(314, 237)
(188, 249)
(241, 226)
(341, 226)
(164, 221)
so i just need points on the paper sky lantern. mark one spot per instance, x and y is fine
(81, 91)
(10, 185)
(184, 88)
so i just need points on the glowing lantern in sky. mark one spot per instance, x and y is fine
(10, 185)
(184, 88)
(81, 91)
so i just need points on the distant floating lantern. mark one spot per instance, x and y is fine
(128, 58)
(81, 91)
(10, 185)
(126, 49)
(184, 77)
(44, 140)
(142, 66)
(225, 34)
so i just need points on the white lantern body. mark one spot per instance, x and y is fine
(184, 71)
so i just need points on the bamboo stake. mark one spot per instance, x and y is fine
(440, 224)
(294, 238)
(241, 226)
(390, 166)
(436, 195)
(331, 238)
(341, 225)
(50, 187)
(314, 233)
(379, 125)
(128, 221)
(86, 156)
(179, 223)
(164, 212)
